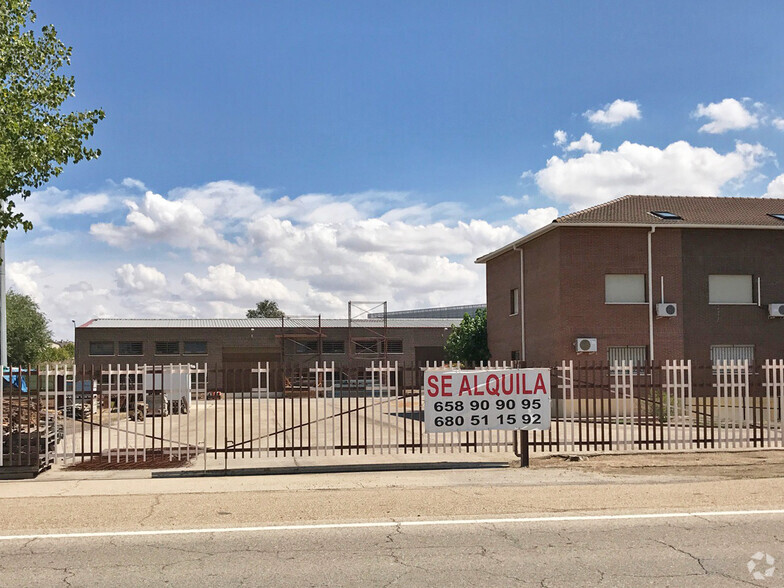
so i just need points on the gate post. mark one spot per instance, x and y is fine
(525, 457)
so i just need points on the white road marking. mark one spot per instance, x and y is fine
(387, 524)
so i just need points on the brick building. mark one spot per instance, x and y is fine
(647, 278)
(241, 343)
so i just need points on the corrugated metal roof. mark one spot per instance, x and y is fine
(261, 323)
(451, 312)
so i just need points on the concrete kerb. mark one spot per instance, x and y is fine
(219, 467)
(289, 465)
(327, 469)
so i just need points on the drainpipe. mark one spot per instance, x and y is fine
(521, 305)
(650, 296)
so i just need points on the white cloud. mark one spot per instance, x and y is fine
(138, 279)
(535, 218)
(87, 204)
(223, 282)
(778, 123)
(371, 245)
(222, 309)
(776, 188)
(22, 276)
(586, 143)
(217, 249)
(727, 115)
(512, 201)
(179, 223)
(614, 114)
(679, 168)
(560, 137)
(134, 184)
(44, 205)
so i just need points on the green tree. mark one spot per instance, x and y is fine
(468, 341)
(37, 139)
(64, 351)
(265, 309)
(28, 330)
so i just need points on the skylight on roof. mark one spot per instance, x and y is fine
(666, 215)
(777, 215)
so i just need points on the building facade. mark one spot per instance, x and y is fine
(644, 278)
(242, 343)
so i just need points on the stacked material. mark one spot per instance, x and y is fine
(22, 415)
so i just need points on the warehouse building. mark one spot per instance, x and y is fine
(453, 312)
(643, 278)
(242, 343)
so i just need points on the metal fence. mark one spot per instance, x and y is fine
(142, 414)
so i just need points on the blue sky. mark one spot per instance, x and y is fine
(316, 152)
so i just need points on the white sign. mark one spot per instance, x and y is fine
(478, 400)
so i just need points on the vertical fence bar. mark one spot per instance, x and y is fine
(2, 420)
(318, 424)
(268, 411)
(127, 414)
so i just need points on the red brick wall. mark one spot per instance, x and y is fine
(503, 330)
(587, 255)
(756, 252)
(543, 303)
(667, 256)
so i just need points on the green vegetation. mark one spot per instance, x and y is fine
(28, 330)
(265, 309)
(37, 139)
(468, 341)
(63, 352)
(29, 337)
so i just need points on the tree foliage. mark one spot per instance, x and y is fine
(468, 341)
(28, 330)
(64, 351)
(265, 309)
(37, 139)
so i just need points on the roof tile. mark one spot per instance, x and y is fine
(693, 210)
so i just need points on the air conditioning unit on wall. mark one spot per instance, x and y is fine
(666, 309)
(585, 345)
(776, 310)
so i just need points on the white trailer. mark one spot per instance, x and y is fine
(174, 381)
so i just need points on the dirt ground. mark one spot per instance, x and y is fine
(730, 465)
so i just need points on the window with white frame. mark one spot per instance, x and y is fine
(729, 353)
(624, 289)
(730, 289)
(514, 301)
(636, 354)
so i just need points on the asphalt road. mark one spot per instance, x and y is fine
(679, 551)
(620, 521)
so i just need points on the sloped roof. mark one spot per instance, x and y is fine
(694, 212)
(263, 323)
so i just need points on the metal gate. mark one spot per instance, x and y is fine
(145, 415)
